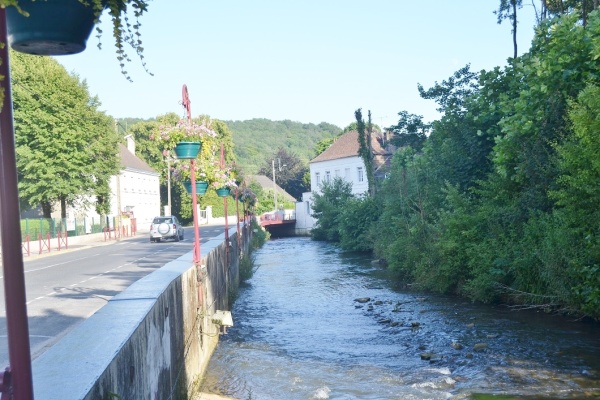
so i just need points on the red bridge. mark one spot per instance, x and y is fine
(278, 218)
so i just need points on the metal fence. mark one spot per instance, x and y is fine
(33, 228)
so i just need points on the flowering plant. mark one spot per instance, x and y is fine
(248, 196)
(181, 172)
(223, 178)
(183, 131)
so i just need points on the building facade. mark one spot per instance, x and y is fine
(136, 190)
(342, 160)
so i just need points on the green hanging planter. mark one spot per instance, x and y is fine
(53, 27)
(223, 192)
(201, 187)
(187, 150)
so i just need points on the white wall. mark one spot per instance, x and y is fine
(141, 192)
(346, 168)
(304, 220)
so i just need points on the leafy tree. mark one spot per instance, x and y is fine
(354, 127)
(408, 201)
(150, 151)
(323, 145)
(451, 94)
(410, 131)
(578, 196)
(289, 172)
(328, 206)
(356, 222)
(547, 78)
(66, 148)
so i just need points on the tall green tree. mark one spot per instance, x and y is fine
(66, 148)
(508, 10)
(365, 151)
(409, 131)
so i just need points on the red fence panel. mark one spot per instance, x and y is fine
(44, 243)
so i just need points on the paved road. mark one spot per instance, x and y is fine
(64, 288)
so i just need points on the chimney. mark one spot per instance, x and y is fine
(130, 144)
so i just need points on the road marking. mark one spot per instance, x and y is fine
(56, 265)
(90, 278)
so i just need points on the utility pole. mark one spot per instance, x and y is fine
(274, 186)
(279, 166)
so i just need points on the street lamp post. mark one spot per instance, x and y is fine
(16, 381)
(187, 104)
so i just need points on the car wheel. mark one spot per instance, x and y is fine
(157, 240)
(176, 238)
(151, 240)
(181, 237)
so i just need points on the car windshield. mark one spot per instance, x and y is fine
(162, 220)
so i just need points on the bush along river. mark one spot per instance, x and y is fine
(317, 323)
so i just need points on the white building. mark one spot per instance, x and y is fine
(341, 160)
(136, 190)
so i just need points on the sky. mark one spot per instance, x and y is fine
(309, 61)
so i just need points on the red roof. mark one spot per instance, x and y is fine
(347, 146)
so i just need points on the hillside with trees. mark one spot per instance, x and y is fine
(257, 139)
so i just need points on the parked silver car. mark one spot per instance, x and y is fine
(167, 227)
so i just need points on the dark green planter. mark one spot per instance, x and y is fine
(187, 150)
(201, 187)
(53, 28)
(223, 192)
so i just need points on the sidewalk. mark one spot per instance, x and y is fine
(72, 244)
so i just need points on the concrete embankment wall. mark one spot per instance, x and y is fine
(152, 341)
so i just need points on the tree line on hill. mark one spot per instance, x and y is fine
(497, 200)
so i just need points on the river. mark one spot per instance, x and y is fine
(317, 323)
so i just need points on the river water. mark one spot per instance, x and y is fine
(304, 329)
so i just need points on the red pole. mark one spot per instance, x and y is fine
(237, 215)
(187, 104)
(194, 214)
(10, 232)
(225, 198)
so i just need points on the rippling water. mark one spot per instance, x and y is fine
(300, 334)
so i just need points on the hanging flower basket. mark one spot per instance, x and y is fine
(201, 187)
(187, 150)
(223, 192)
(53, 27)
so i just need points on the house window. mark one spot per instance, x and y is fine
(337, 173)
(318, 178)
(307, 207)
(347, 174)
(361, 176)
(327, 176)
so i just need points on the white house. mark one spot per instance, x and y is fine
(136, 190)
(341, 160)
